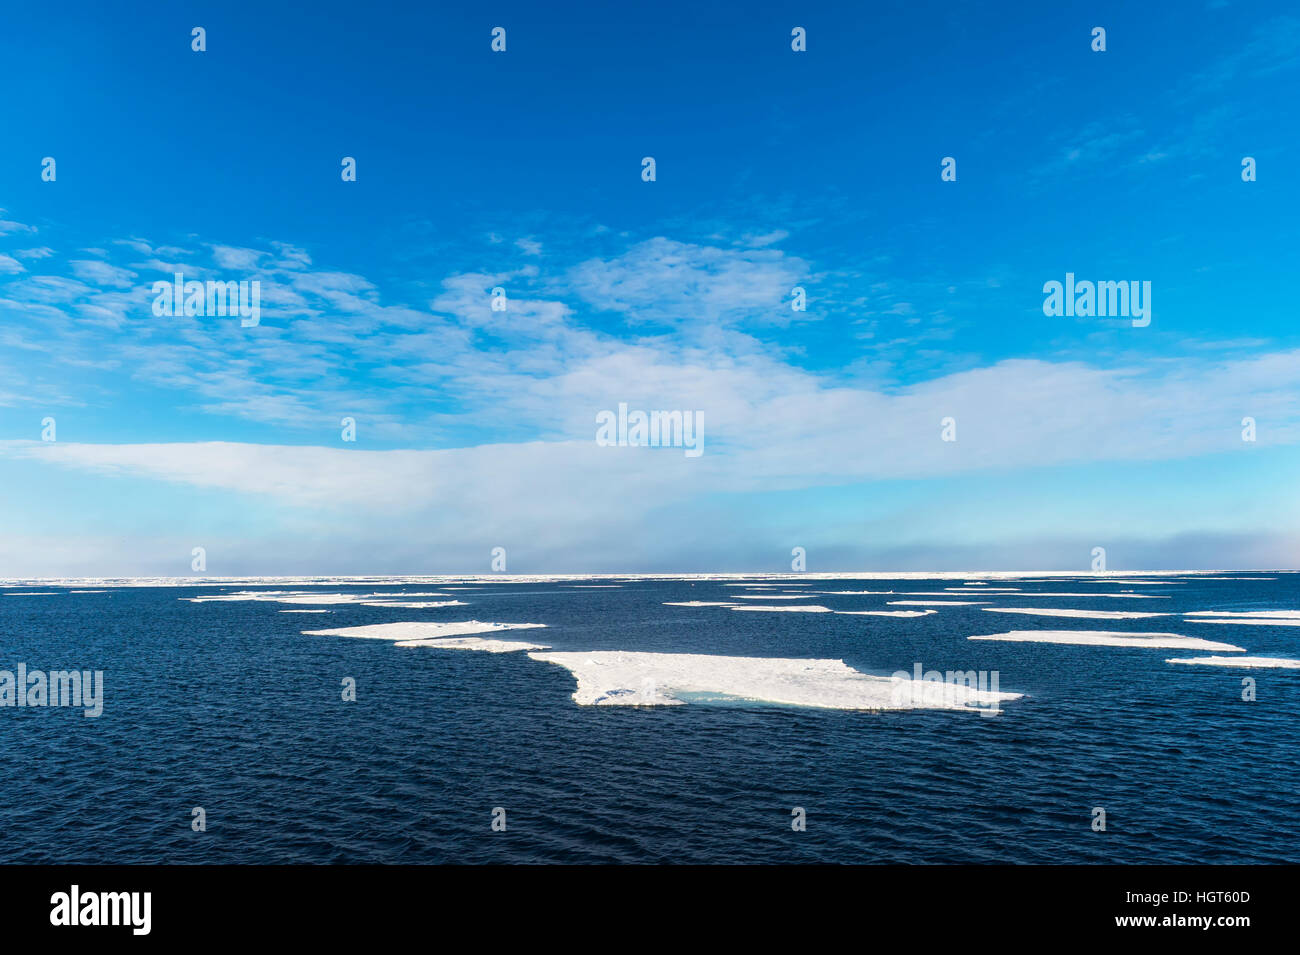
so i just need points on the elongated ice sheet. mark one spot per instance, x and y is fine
(698, 603)
(485, 644)
(1111, 638)
(885, 613)
(936, 603)
(1249, 621)
(1225, 615)
(420, 629)
(413, 604)
(801, 608)
(1036, 594)
(622, 678)
(1061, 612)
(299, 597)
(1251, 662)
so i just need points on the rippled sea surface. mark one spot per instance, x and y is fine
(229, 706)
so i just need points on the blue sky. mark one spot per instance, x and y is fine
(521, 169)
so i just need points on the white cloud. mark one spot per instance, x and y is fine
(101, 273)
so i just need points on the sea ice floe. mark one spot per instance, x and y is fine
(398, 601)
(304, 611)
(1249, 621)
(801, 608)
(772, 596)
(413, 604)
(885, 613)
(698, 603)
(410, 630)
(486, 644)
(1059, 612)
(622, 678)
(850, 593)
(1283, 617)
(935, 603)
(1030, 593)
(1250, 618)
(1111, 638)
(1253, 662)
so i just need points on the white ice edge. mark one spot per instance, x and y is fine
(1092, 614)
(1250, 662)
(802, 608)
(1247, 614)
(1111, 638)
(740, 579)
(1248, 621)
(935, 603)
(485, 644)
(885, 613)
(410, 630)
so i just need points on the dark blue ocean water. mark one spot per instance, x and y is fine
(230, 707)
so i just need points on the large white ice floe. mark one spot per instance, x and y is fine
(1110, 638)
(624, 678)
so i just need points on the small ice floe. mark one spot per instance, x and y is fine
(936, 603)
(305, 597)
(1037, 594)
(1093, 614)
(51, 593)
(624, 678)
(413, 604)
(1111, 638)
(801, 608)
(1251, 662)
(850, 593)
(486, 644)
(1281, 614)
(885, 613)
(699, 603)
(416, 630)
(1253, 618)
(772, 596)
(304, 611)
